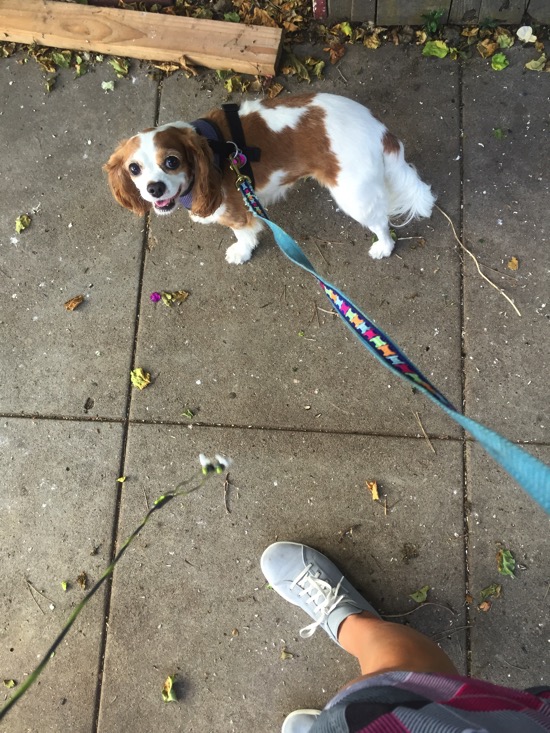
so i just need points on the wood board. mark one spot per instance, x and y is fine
(150, 36)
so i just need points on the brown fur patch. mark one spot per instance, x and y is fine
(390, 143)
(120, 182)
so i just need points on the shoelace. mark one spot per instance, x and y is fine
(321, 593)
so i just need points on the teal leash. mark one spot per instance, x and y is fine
(530, 473)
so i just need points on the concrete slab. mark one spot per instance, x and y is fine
(509, 642)
(190, 597)
(52, 147)
(247, 347)
(506, 147)
(57, 507)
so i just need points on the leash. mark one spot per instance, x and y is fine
(530, 473)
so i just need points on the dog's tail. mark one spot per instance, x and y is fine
(408, 196)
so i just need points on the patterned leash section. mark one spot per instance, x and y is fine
(530, 473)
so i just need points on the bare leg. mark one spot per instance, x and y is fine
(381, 646)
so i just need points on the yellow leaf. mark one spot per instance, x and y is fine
(513, 264)
(168, 693)
(486, 48)
(140, 378)
(372, 486)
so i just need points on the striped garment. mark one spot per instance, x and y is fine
(411, 702)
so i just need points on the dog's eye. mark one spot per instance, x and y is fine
(171, 162)
(134, 169)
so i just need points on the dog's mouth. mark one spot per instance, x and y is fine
(165, 206)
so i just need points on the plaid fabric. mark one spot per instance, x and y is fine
(410, 702)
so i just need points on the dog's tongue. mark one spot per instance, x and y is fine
(162, 203)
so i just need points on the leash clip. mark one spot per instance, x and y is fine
(237, 160)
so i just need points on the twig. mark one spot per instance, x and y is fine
(330, 313)
(515, 666)
(225, 493)
(547, 590)
(448, 632)
(284, 294)
(146, 499)
(322, 255)
(157, 504)
(343, 77)
(385, 506)
(423, 431)
(408, 613)
(29, 586)
(491, 283)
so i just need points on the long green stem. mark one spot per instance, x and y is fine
(158, 504)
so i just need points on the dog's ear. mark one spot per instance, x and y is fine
(207, 190)
(121, 184)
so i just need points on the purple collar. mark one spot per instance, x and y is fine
(211, 132)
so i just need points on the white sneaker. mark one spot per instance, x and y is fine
(300, 721)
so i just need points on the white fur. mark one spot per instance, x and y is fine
(276, 119)
(247, 240)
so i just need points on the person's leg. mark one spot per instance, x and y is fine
(308, 579)
(382, 646)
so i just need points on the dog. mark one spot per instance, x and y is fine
(329, 138)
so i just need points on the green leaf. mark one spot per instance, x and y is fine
(9, 684)
(498, 133)
(168, 693)
(232, 17)
(64, 585)
(506, 563)
(121, 66)
(62, 58)
(108, 86)
(22, 222)
(492, 591)
(420, 595)
(435, 48)
(188, 413)
(499, 62)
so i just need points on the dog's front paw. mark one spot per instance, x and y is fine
(238, 254)
(379, 250)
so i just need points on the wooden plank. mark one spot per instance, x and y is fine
(339, 9)
(465, 11)
(505, 11)
(363, 10)
(150, 36)
(397, 12)
(539, 10)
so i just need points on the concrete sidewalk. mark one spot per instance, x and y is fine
(280, 387)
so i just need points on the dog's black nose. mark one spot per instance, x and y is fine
(156, 188)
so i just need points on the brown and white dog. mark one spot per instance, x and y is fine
(330, 138)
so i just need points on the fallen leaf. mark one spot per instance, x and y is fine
(485, 606)
(121, 480)
(344, 28)
(232, 17)
(373, 41)
(168, 692)
(335, 52)
(498, 133)
(108, 86)
(9, 684)
(537, 64)
(372, 486)
(486, 48)
(62, 58)
(435, 48)
(140, 378)
(506, 563)
(121, 66)
(504, 38)
(22, 222)
(492, 591)
(82, 580)
(469, 598)
(235, 632)
(73, 303)
(286, 654)
(178, 296)
(420, 595)
(292, 65)
(64, 585)
(274, 90)
(499, 62)
(470, 32)
(513, 263)
(188, 413)
(167, 67)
